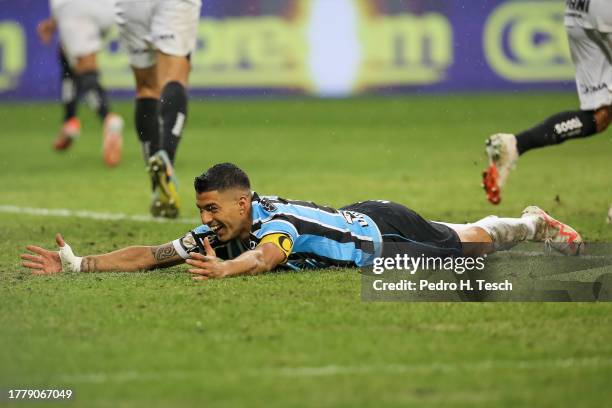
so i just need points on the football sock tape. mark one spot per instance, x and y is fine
(507, 232)
(173, 113)
(89, 89)
(69, 91)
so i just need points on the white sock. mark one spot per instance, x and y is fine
(507, 232)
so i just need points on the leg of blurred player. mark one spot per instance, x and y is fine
(591, 51)
(71, 127)
(161, 104)
(504, 149)
(89, 89)
(81, 26)
(161, 68)
(146, 110)
(173, 74)
(68, 87)
(159, 119)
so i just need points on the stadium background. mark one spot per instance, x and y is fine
(322, 47)
(422, 85)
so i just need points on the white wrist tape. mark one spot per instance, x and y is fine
(70, 262)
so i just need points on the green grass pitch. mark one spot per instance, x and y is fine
(296, 339)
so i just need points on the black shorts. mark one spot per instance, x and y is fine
(406, 232)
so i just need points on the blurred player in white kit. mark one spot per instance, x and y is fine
(160, 36)
(82, 25)
(589, 28)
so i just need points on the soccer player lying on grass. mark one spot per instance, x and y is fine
(243, 233)
(589, 31)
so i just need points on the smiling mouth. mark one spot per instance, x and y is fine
(216, 228)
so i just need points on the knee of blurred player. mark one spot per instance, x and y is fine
(172, 68)
(147, 84)
(85, 63)
(603, 117)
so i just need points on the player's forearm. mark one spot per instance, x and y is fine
(249, 263)
(127, 259)
(131, 259)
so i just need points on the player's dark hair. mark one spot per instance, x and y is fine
(221, 177)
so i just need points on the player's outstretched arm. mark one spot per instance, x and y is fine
(264, 258)
(136, 258)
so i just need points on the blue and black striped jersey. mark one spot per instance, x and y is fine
(321, 236)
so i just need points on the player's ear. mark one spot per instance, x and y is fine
(243, 203)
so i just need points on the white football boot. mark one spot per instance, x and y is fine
(553, 233)
(502, 153)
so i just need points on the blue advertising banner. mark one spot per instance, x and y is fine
(327, 47)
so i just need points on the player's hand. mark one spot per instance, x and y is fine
(206, 266)
(44, 262)
(46, 29)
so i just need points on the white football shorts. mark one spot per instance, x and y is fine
(145, 26)
(82, 25)
(589, 29)
(592, 55)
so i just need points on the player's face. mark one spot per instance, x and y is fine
(227, 213)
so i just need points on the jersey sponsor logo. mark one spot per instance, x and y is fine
(568, 126)
(578, 5)
(267, 205)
